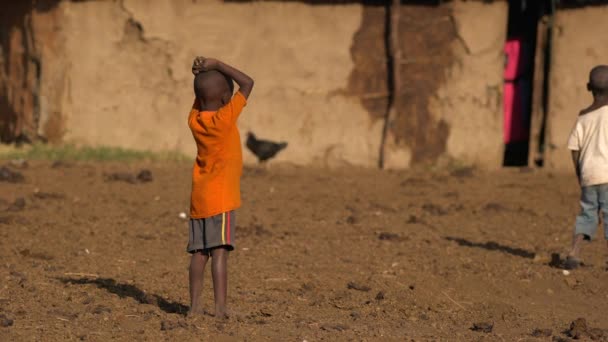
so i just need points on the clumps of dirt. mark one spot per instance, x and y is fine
(166, 325)
(19, 163)
(48, 195)
(414, 182)
(389, 236)
(572, 283)
(35, 255)
(307, 287)
(8, 175)
(21, 278)
(265, 313)
(334, 327)
(494, 207)
(57, 164)
(17, 205)
(579, 329)
(351, 220)
(5, 322)
(6, 220)
(380, 296)
(434, 209)
(99, 309)
(144, 176)
(484, 327)
(452, 194)
(541, 332)
(253, 230)
(413, 219)
(358, 287)
(463, 172)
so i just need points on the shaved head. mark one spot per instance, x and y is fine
(598, 80)
(212, 86)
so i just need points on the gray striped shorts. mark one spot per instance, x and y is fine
(211, 232)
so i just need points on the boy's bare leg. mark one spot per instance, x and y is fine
(573, 260)
(219, 272)
(577, 242)
(197, 270)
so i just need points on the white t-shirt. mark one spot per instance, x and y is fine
(590, 137)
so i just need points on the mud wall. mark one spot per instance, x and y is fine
(469, 102)
(117, 73)
(575, 52)
(452, 111)
(131, 84)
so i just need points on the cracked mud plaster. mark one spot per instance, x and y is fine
(27, 34)
(19, 74)
(136, 38)
(426, 36)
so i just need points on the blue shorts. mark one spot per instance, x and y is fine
(594, 199)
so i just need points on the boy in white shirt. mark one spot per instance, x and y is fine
(588, 143)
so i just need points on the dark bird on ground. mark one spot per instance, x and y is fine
(263, 149)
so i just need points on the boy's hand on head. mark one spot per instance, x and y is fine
(209, 64)
(204, 64)
(245, 82)
(197, 65)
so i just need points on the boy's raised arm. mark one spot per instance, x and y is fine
(245, 82)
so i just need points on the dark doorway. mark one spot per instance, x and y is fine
(520, 50)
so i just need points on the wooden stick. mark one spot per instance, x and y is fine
(394, 53)
(453, 301)
(81, 274)
(538, 109)
(276, 279)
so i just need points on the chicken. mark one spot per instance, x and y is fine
(263, 149)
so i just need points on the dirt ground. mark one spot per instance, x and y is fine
(346, 254)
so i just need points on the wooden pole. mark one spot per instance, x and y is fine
(394, 58)
(538, 110)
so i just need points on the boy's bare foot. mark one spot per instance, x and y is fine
(572, 263)
(227, 314)
(222, 315)
(194, 312)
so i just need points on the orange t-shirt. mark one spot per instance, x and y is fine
(216, 176)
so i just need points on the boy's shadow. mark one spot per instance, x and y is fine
(493, 246)
(127, 290)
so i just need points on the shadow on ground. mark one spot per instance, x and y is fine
(493, 246)
(127, 290)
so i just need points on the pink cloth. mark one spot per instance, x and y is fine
(513, 54)
(514, 125)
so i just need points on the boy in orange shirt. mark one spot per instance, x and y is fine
(216, 174)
